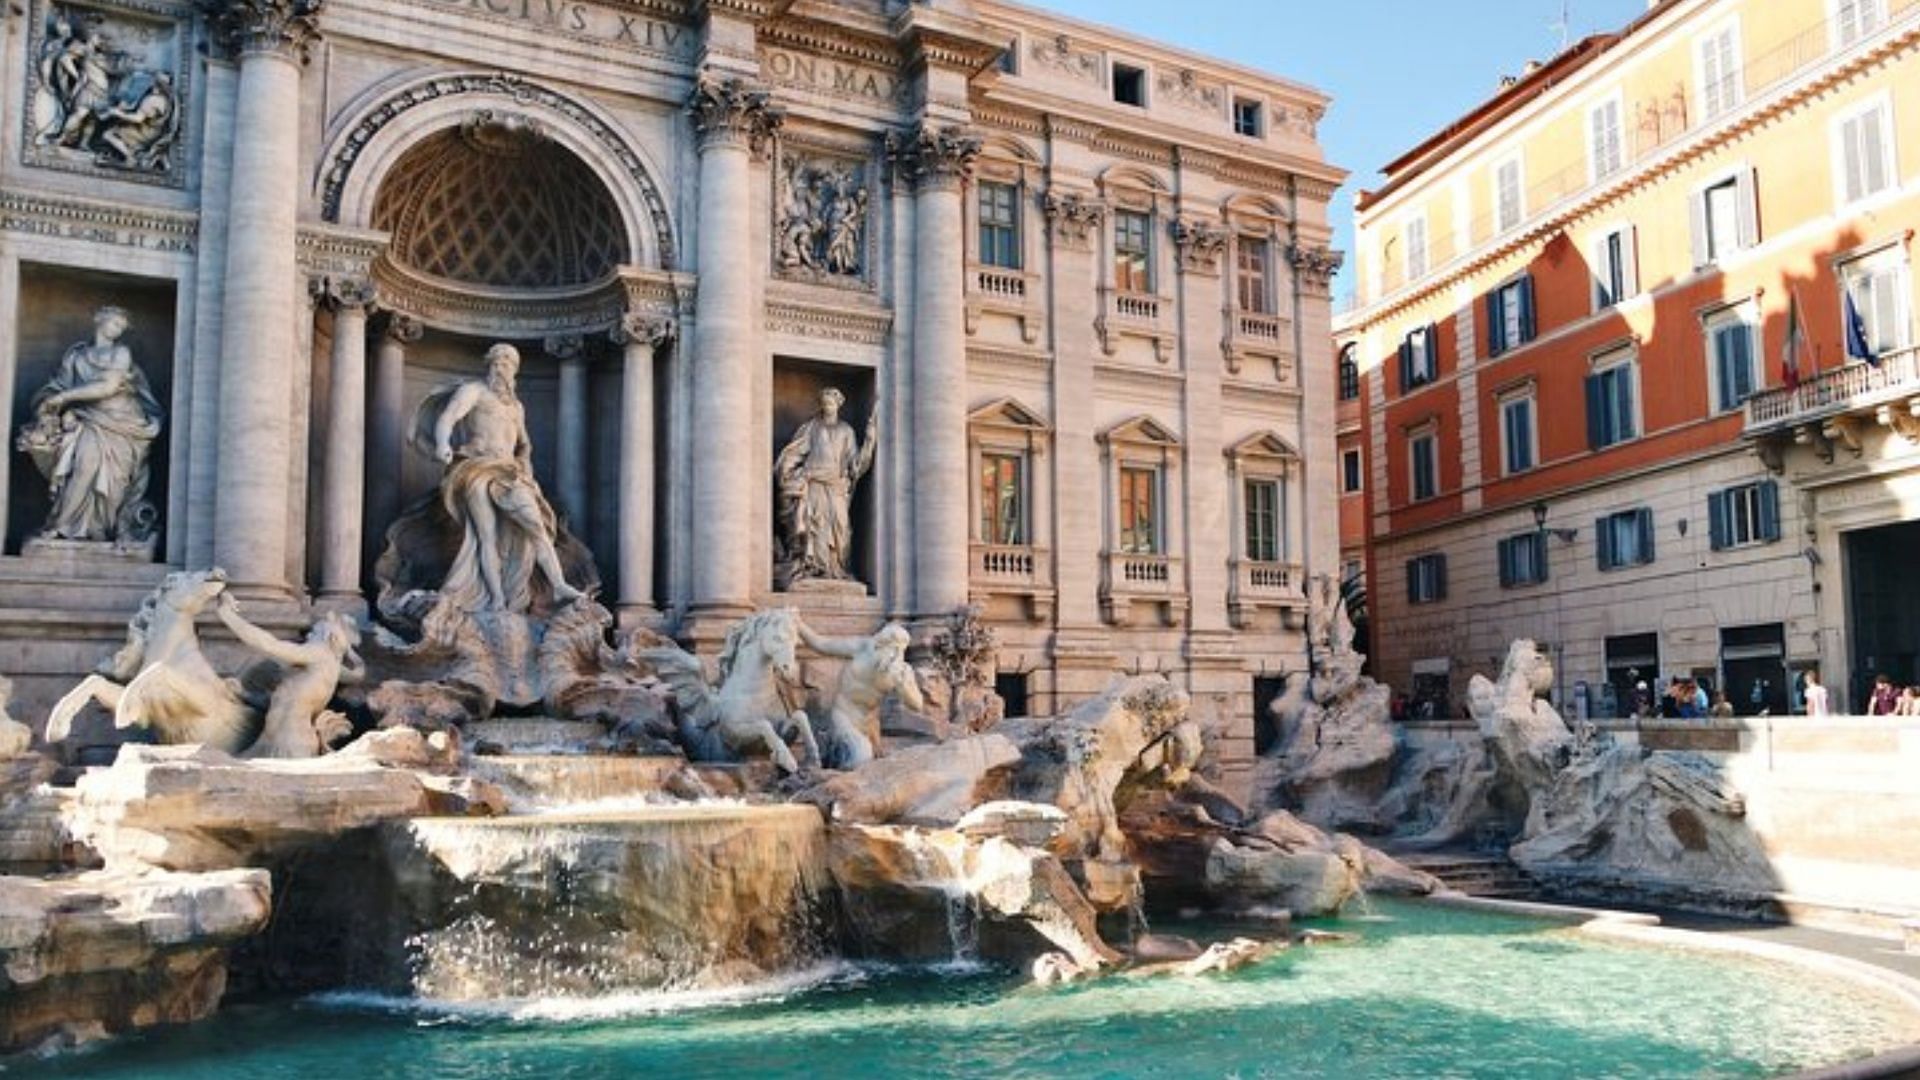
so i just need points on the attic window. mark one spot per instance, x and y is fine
(1129, 85)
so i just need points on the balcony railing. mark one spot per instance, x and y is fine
(1136, 306)
(1266, 579)
(1651, 126)
(1010, 564)
(1856, 387)
(1003, 284)
(1268, 328)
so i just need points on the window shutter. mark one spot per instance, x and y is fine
(1507, 574)
(1439, 577)
(1623, 403)
(1527, 331)
(1697, 222)
(1769, 511)
(1496, 323)
(1629, 263)
(1747, 208)
(1645, 522)
(1596, 433)
(1722, 370)
(1873, 152)
(1433, 350)
(1406, 366)
(1603, 544)
(1719, 528)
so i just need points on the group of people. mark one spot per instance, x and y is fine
(1683, 699)
(1888, 699)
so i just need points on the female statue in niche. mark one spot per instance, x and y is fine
(94, 425)
(816, 472)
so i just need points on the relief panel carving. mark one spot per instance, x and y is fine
(820, 216)
(106, 89)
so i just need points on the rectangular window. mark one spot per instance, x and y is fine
(1009, 62)
(1719, 71)
(1140, 511)
(1610, 401)
(1624, 539)
(1349, 375)
(1616, 273)
(1855, 19)
(1263, 520)
(1003, 499)
(1129, 85)
(1418, 363)
(1523, 560)
(1426, 579)
(1605, 148)
(1877, 285)
(1425, 463)
(1743, 515)
(1132, 251)
(1251, 259)
(1731, 350)
(1510, 318)
(1516, 432)
(1864, 156)
(1000, 225)
(1416, 248)
(1508, 204)
(1350, 475)
(1725, 218)
(1247, 118)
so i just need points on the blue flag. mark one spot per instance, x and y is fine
(1857, 344)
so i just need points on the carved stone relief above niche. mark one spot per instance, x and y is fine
(1061, 54)
(821, 207)
(106, 89)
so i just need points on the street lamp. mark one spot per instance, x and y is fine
(1565, 536)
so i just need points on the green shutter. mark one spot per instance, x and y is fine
(1496, 324)
(1596, 431)
(1603, 544)
(1644, 521)
(1719, 520)
(1769, 511)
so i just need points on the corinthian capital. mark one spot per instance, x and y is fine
(928, 156)
(644, 327)
(344, 292)
(252, 27)
(1200, 244)
(1316, 267)
(734, 111)
(1075, 218)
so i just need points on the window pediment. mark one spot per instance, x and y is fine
(1141, 430)
(1008, 413)
(1263, 446)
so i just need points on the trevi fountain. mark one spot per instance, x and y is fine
(365, 740)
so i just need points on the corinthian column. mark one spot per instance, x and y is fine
(253, 464)
(732, 119)
(936, 160)
(387, 431)
(344, 472)
(638, 337)
(570, 457)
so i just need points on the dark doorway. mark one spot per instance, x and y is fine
(1012, 688)
(1631, 659)
(1753, 663)
(1266, 727)
(1883, 606)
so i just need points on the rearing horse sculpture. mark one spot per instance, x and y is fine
(746, 716)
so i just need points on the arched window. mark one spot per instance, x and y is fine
(1349, 375)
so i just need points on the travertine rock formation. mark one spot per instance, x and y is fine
(103, 953)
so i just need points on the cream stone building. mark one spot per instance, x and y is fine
(1636, 352)
(1077, 280)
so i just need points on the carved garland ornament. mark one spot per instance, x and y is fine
(931, 157)
(645, 328)
(520, 92)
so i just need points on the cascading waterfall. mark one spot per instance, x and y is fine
(560, 904)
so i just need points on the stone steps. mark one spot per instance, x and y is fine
(1474, 874)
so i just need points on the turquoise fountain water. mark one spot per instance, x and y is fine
(1425, 992)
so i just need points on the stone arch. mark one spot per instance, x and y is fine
(392, 119)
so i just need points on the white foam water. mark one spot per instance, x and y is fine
(614, 1005)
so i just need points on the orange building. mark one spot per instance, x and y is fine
(1634, 346)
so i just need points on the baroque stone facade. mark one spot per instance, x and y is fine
(1069, 289)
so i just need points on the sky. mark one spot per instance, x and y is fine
(1398, 70)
